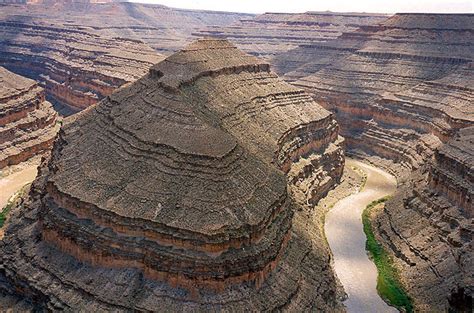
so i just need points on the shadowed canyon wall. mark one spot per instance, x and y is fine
(428, 226)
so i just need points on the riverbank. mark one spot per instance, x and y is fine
(12, 180)
(346, 238)
(389, 286)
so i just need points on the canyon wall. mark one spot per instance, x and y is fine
(402, 92)
(77, 68)
(28, 123)
(189, 213)
(271, 34)
(428, 225)
(165, 29)
(398, 89)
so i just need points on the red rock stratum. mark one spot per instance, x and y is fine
(28, 123)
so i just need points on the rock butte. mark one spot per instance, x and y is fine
(28, 123)
(76, 67)
(169, 193)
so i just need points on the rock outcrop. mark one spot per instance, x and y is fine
(274, 33)
(28, 123)
(77, 68)
(398, 89)
(172, 194)
(429, 226)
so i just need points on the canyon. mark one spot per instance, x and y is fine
(397, 93)
(223, 228)
(402, 93)
(194, 178)
(270, 34)
(75, 67)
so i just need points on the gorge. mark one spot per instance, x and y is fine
(198, 178)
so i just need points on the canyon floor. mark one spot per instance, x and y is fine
(346, 239)
(12, 179)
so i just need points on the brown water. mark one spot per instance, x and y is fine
(346, 238)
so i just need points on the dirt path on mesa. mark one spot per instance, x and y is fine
(346, 239)
(13, 182)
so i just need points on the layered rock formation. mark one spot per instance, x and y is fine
(401, 91)
(273, 33)
(172, 194)
(398, 89)
(163, 28)
(28, 123)
(77, 68)
(429, 226)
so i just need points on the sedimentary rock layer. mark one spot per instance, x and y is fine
(28, 123)
(173, 191)
(273, 33)
(77, 68)
(401, 91)
(429, 227)
(165, 29)
(397, 92)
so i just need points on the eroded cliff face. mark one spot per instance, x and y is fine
(77, 68)
(399, 89)
(428, 225)
(192, 212)
(402, 92)
(28, 123)
(274, 33)
(165, 29)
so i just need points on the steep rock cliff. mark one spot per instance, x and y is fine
(429, 227)
(77, 68)
(28, 123)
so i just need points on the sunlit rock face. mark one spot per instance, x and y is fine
(399, 89)
(28, 123)
(182, 190)
(270, 34)
(76, 67)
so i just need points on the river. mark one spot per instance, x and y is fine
(346, 238)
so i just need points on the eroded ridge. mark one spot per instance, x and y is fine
(160, 181)
(28, 123)
(76, 66)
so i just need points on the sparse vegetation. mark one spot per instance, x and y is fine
(4, 212)
(13, 200)
(388, 282)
